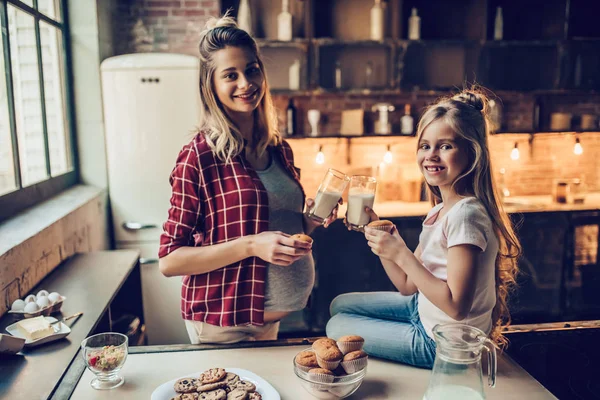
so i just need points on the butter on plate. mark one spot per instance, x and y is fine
(35, 328)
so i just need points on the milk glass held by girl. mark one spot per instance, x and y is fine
(236, 200)
(467, 255)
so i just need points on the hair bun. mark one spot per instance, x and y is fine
(474, 100)
(223, 22)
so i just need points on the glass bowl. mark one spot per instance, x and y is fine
(341, 387)
(104, 354)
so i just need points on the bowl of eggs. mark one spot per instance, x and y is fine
(43, 303)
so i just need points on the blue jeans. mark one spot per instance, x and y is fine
(388, 321)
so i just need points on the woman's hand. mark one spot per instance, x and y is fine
(279, 248)
(310, 204)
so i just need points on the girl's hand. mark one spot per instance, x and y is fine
(385, 245)
(279, 248)
(310, 203)
(372, 216)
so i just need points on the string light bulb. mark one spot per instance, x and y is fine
(387, 158)
(577, 149)
(320, 156)
(514, 154)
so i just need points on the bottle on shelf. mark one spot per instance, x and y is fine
(291, 119)
(284, 22)
(369, 74)
(377, 21)
(244, 17)
(407, 121)
(498, 25)
(414, 25)
(294, 75)
(338, 75)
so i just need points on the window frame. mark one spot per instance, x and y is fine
(21, 198)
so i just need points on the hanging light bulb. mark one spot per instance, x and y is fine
(320, 156)
(514, 154)
(387, 158)
(577, 149)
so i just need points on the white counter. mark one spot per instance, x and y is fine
(384, 380)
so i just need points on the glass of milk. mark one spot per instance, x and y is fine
(360, 195)
(328, 195)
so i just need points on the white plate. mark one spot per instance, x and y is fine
(64, 331)
(268, 392)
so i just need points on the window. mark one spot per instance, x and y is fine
(36, 132)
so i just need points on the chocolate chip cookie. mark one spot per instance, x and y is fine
(186, 396)
(246, 385)
(210, 386)
(237, 394)
(254, 396)
(185, 385)
(218, 394)
(212, 375)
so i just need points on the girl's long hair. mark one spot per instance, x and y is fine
(222, 133)
(466, 114)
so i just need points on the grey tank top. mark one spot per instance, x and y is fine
(287, 288)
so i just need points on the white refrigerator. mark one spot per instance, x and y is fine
(151, 108)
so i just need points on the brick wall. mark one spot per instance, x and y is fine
(173, 25)
(547, 157)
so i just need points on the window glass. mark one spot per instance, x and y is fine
(27, 97)
(50, 8)
(7, 170)
(54, 96)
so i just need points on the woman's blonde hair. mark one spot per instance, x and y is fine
(466, 114)
(222, 133)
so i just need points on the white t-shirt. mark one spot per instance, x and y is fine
(467, 222)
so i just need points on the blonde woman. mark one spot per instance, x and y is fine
(466, 259)
(236, 200)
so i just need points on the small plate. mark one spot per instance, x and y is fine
(268, 392)
(64, 331)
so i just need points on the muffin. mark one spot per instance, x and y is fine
(302, 237)
(320, 375)
(306, 360)
(354, 361)
(328, 354)
(349, 343)
(382, 225)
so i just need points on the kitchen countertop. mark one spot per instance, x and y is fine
(147, 368)
(89, 282)
(513, 204)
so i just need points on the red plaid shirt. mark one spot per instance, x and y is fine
(213, 203)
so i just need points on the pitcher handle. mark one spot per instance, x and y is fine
(492, 364)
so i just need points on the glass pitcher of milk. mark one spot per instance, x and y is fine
(457, 370)
(328, 195)
(361, 194)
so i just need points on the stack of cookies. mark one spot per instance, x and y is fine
(215, 384)
(329, 358)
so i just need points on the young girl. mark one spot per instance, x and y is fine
(236, 199)
(466, 259)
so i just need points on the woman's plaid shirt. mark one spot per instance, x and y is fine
(213, 203)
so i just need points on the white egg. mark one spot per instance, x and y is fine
(42, 293)
(54, 297)
(31, 307)
(30, 299)
(43, 301)
(18, 305)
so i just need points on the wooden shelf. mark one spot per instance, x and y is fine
(552, 44)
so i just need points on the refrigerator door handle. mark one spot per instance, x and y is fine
(146, 261)
(136, 226)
